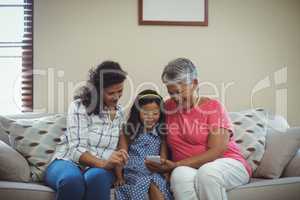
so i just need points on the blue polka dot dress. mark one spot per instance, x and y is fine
(137, 176)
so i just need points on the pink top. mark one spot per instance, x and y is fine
(188, 130)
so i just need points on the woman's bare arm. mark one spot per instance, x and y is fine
(92, 161)
(217, 145)
(122, 146)
(116, 159)
(163, 148)
(123, 142)
(164, 155)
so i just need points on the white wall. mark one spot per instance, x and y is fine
(245, 42)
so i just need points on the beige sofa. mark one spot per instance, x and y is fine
(274, 189)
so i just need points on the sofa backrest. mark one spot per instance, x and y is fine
(278, 123)
(274, 121)
(29, 115)
(4, 137)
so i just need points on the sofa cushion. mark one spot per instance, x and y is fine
(281, 147)
(3, 136)
(4, 126)
(29, 115)
(293, 167)
(13, 166)
(275, 189)
(36, 140)
(25, 191)
(277, 122)
(30, 191)
(250, 132)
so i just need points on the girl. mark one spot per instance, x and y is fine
(82, 164)
(144, 130)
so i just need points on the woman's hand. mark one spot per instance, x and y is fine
(164, 166)
(118, 158)
(124, 155)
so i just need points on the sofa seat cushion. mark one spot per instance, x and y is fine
(25, 191)
(275, 189)
(29, 191)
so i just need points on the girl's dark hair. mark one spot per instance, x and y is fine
(134, 124)
(104, 75)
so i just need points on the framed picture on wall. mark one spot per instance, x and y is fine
(173, 12)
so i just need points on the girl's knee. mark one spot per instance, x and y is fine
(155, 193)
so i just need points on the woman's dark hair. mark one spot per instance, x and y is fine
(106, 74)
(134, 124)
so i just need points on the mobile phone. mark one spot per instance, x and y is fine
(153, 159)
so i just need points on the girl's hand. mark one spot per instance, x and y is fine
(163, 167)
(167, 176)
(116, 159)
(119, 182)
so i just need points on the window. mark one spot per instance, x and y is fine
(16, 56)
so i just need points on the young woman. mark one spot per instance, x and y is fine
(206, 161)
(83, 163)
(145, 128)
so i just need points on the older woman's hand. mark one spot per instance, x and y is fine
(164, 166)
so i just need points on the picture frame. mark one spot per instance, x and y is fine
(173, 12)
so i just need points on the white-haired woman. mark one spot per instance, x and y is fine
(206, 162)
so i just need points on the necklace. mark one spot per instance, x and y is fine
(196, 102)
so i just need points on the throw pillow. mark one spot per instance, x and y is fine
(13, 166)
(4, 126)
(281, 147)
(293, 167)
(250, 133)
(36, 140)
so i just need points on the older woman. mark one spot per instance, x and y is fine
(83, 163)
(205, 158)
